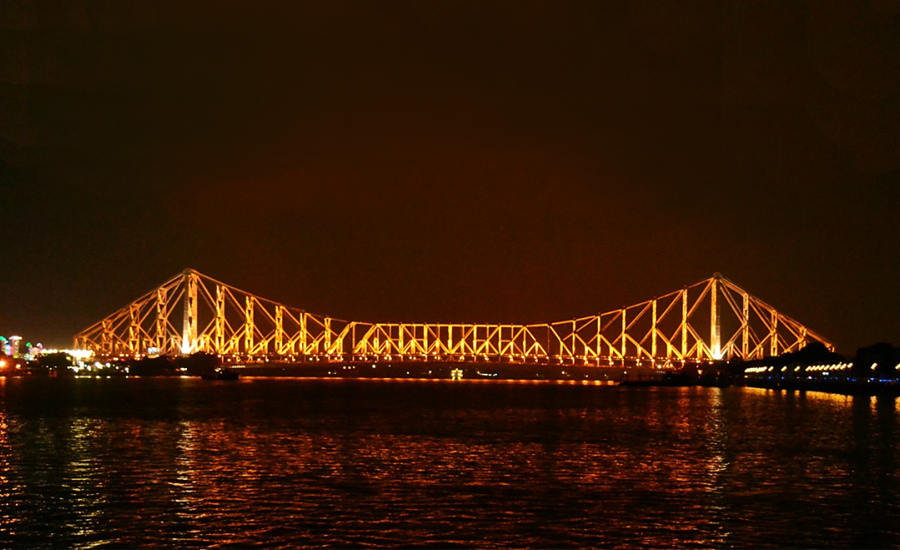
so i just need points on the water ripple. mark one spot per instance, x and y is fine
(288, 463)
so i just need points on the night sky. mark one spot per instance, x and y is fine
(451, 161)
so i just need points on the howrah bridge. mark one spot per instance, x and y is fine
(711, 320)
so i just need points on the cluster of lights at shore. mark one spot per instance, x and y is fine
(811, 368)
(837, 366)
(82, 357)
(88, 369)
(73, 353)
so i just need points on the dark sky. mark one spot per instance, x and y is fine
(458, 161)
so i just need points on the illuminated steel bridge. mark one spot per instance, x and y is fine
(710, 320)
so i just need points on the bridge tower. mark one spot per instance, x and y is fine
(715, 323)
(189, 325)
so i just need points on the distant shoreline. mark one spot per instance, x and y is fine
(566, 377)
(840, 387)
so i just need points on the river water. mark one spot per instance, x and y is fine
(327, 463)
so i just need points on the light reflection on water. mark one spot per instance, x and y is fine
(186, 463)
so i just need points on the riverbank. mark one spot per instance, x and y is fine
(837, 386)
(433, 370)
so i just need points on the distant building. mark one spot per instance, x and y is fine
(34, 352)
(14, 342)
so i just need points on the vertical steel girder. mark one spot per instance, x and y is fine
(162, 316)
(715, 328)
(221, 319)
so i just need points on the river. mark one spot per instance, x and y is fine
(263, 462)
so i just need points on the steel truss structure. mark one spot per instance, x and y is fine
(713, 319)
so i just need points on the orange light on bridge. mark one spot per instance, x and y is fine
(170, 320)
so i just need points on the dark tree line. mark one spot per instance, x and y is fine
(879, 360)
